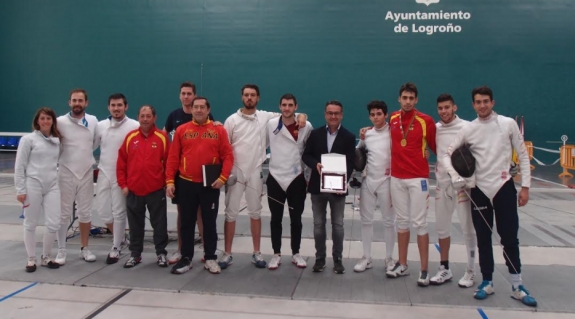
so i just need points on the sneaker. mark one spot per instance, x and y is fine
(162, 260)
(423, 280)
(175, 257)
(47, 262)
(61, 257)
(467, 281)
(363, 264)
(258, 260)
(398, 270)
(484, 290)
(338, 266)
(389, 263)
(275, 262)
(132, 261)
(522, 294)
(113, 256)
(298, 260)
(31, 265)
(226, 261)
(212, 266)
(443, 275)
(87, 255)
(182, 266)
(319, 265)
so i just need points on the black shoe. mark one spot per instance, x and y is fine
(182, 266)
(338, 266)
(319, 265)
(132, 261)
(162, 260)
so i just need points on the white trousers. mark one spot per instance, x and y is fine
(41, 199)
(367, 204)
(110, 202)
(253, 192)
(76, 190)
(447, 200)
(410, 198)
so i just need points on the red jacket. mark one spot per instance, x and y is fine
(195, 145)
(409, 161)
(142, 161)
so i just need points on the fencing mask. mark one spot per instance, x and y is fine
(360, 159)
(463, 162)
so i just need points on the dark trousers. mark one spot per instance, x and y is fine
(319, 208)
(505, 210)
(191, 196)
(156, 204)
(295, 195)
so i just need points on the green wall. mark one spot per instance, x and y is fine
(315, 49)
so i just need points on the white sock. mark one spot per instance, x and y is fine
(389, 236)
(471, 244)
(366, 238)
(119, 232)
(49, 238)
(516, 280)
(62, 234)
(30, 242)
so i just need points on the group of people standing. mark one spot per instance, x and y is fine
(140, 166)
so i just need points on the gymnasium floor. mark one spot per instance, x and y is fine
(97, 290)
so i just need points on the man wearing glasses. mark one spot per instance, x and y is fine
(331, 138)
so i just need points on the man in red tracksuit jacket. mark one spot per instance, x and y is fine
(141, 176)
(195, 144)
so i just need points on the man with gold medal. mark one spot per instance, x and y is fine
(411, 133)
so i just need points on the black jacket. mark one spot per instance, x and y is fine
(316, 145)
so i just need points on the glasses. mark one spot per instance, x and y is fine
(333, 113)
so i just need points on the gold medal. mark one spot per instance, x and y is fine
(404, 134)
(403, 142)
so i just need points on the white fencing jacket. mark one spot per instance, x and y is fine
(377, 142)
(78, 143)
(110, 136)
(491, 141)
(36, 158)
(247, 134)
(285, 153)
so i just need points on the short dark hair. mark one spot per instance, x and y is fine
(148, 106)
(117, 96)
(483, 90)
(79, 91)
(377, 105)
(201, 98)
(188, 85)
(408, 87)
(334, 102)
(445, 97)
(288, 96)
(251, 86)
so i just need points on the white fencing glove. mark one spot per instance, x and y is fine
(458, 182)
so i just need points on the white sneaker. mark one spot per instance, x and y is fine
(467, 281)
(175, 257)
(423, 280)
(212, 266)
(87, 255)
(298, 260)
(113, 256)
(443, 275)
(389, 263)
(398, 270)
(363, 264)
(275, 262)
(47, 262)
(61, 257)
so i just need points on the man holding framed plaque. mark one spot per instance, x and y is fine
(329, 152)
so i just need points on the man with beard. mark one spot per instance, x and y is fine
(176, 118)
(76, 180)
(246, 131)
(286, 178)
(448, 199)
(110, 202)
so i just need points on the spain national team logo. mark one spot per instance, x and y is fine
(154, 145)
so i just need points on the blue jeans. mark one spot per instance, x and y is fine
(319, 207)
